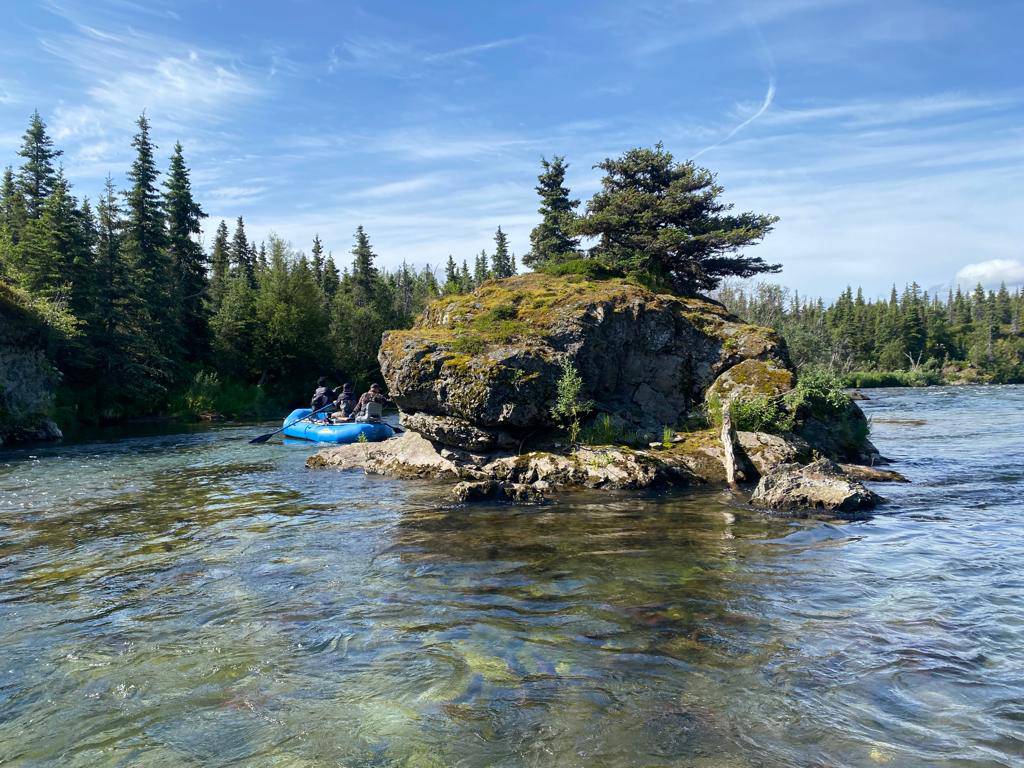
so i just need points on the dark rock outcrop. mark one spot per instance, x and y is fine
(27, 378)
(480, 370)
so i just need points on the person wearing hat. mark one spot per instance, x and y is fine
(374, 395)
(346, 404)
(323, 395)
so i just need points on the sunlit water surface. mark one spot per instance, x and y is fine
(190, 599)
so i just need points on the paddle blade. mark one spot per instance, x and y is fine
(262, 438)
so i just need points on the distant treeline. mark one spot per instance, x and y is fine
(912, 338)
(144, 320)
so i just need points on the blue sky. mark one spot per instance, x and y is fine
(889, 136)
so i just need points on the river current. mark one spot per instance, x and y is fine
(191, 600)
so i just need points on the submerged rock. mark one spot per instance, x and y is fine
(490, 490)
(873, 474)
(821, 485)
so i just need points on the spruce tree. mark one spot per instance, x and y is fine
(553, 240)
(37, 175)
(465, 277)
(501, 260)
(144, 247)
(665, 223)
(318, 260)
(331, 278)
(220, 266)
(241, 258)
(52, 245)
(451, 277)
(481, 272)
(184, 223)
(13, 213)
(364, 274)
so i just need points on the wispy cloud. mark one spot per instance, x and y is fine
(470, 50)
(873, 113)
(182, 84)
(769, 97)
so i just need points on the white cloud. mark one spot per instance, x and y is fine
(992, 273)
(236, 195)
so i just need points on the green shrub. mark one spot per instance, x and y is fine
(569, 403)
(818, 392)
(201, 395)
(592, 269)
(868, 379)
(603, 431)
(468, 344)
(761, 413)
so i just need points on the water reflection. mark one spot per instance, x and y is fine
(192, 600)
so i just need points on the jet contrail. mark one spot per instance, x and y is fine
(769, 97)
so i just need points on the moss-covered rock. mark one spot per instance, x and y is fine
(492, 358)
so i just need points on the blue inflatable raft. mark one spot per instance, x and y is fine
(316, 431)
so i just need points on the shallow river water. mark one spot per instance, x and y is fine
(191, 600)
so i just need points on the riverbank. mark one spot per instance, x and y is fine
(949, 376)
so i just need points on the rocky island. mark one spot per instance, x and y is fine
(479, 376)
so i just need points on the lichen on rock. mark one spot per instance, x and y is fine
(491, 359)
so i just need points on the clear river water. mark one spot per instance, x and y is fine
(190, 600)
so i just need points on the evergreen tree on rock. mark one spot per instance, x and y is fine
(452, 284)
(37, 175)
(664, 222)
(481, 272)
(501, 260)
(553, 240)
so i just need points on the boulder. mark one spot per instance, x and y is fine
(449, 430)
(820, 486)
(610, 467)
(409, 455)
(766, 451)
(750, 378)
(873, 474)
(481, 369)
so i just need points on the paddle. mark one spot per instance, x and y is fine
(263, 438)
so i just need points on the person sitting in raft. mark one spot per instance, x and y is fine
(371, 404)
(346, 405)
(323, 396)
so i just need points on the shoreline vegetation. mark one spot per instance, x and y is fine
(114, 311)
